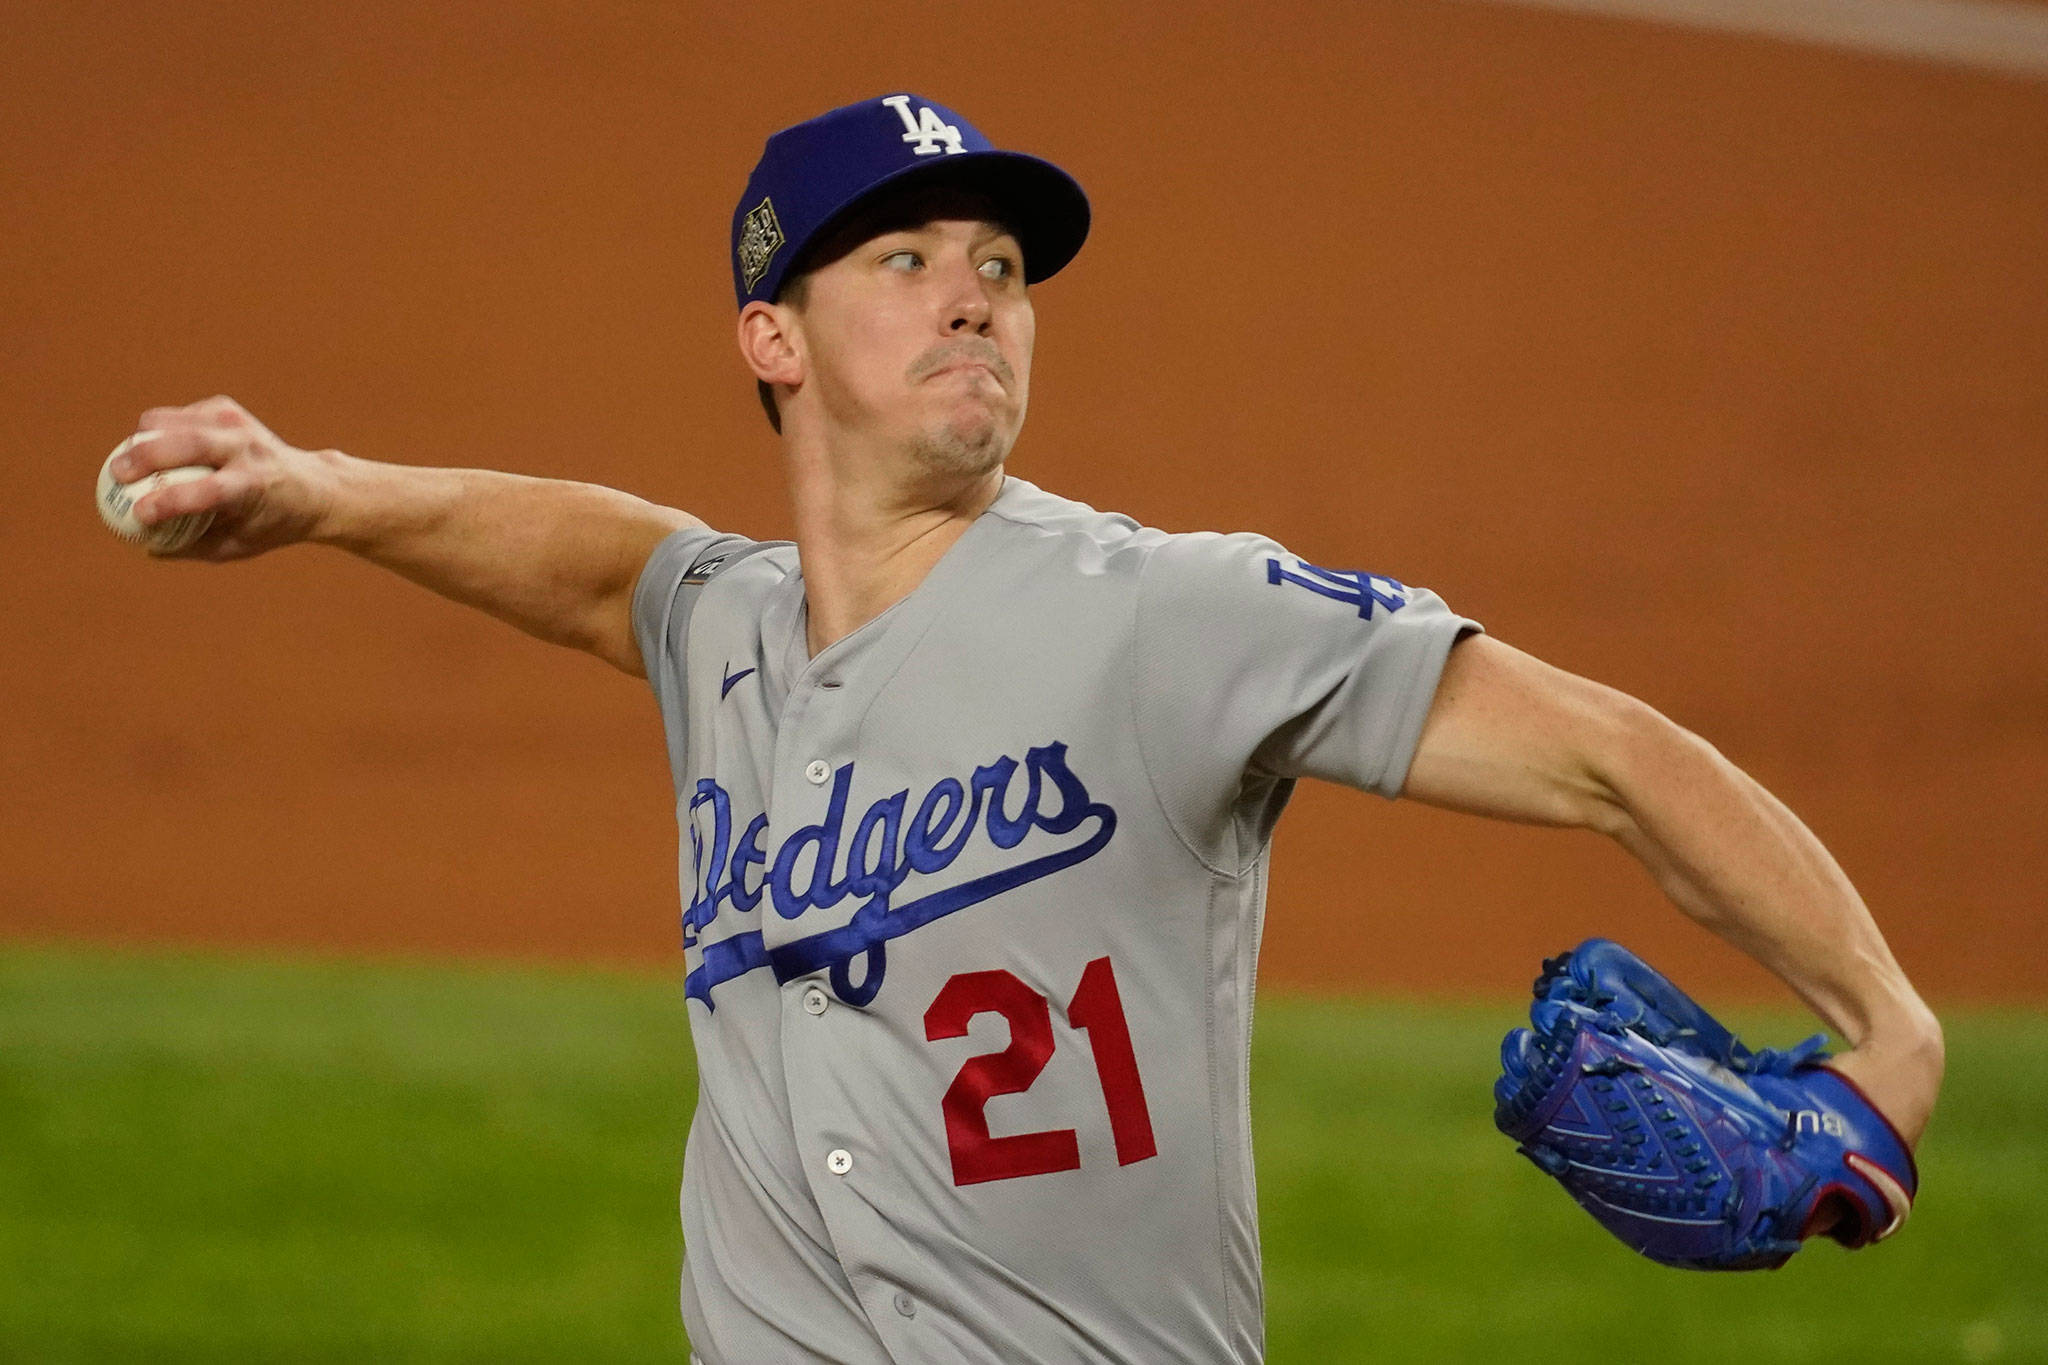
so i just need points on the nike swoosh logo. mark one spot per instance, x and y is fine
(732, 680)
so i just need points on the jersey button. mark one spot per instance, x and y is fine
(815, 1001)
(818, 771)
(839, 1161)
(906, 1305)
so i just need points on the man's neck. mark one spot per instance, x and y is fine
(865, 546)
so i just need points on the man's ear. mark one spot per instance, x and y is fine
(771, 343)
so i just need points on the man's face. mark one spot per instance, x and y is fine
(919, 332)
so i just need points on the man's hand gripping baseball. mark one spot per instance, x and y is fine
(555, 558)
(263, 493)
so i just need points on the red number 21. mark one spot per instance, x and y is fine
(1097, 1010)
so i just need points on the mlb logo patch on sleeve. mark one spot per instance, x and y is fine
(701, 571)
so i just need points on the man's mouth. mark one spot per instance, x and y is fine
(967, 365)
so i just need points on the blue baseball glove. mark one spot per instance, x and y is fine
(1679, 1140)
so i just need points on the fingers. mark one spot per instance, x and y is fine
(219, 410)
(164, 448)
(206, 432)
(185, 441)
(223, 492)
(199, 495)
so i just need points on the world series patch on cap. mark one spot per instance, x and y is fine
(812, 176)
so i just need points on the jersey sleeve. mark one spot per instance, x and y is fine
(1255, 667)
(663, 599)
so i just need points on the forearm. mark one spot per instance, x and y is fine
(1511, 737)
(556, 559)
(1735, 859)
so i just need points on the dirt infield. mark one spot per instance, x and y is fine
(1711, 367)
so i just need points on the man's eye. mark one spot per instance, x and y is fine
(902, 256)
(1009, 267)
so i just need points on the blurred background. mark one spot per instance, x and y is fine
(1699, 347)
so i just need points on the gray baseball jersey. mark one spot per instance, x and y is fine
(972, 904)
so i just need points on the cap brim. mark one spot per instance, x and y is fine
(1040, 202)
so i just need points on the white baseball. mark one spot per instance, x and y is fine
(117, 503)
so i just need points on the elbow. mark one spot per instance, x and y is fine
(1633, 747)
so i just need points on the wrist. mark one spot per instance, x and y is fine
(1906, 1028)
(1898, 1065)
(1883, 1010)
(1913, 1043)
(345, 495)
(372, 508)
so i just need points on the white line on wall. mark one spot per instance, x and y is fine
(1998, 35)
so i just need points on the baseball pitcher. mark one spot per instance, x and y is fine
(976, 788)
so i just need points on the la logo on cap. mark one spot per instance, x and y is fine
(927, 130)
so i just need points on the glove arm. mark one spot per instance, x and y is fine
(1736, 860)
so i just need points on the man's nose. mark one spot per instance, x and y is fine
(968, 307)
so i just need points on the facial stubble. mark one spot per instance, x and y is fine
(963, 444)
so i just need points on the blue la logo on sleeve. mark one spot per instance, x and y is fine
(1353, 586)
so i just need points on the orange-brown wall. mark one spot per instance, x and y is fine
(1712, 367)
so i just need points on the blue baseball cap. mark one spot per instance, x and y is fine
(812, 176)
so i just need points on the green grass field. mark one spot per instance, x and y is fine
(208, 1158)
